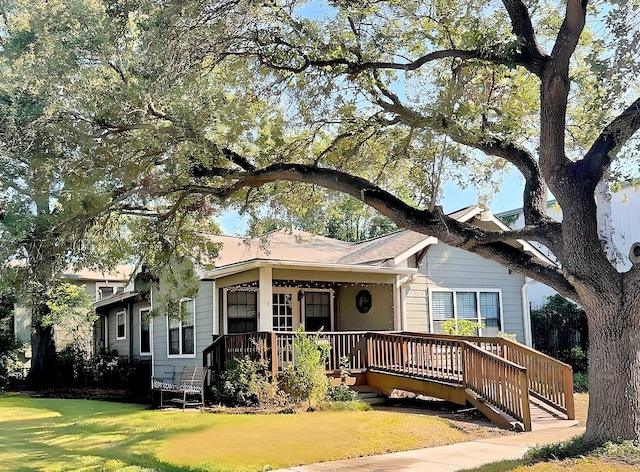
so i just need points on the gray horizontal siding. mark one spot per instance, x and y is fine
(416, 305)
(168, 367)
(453, 268)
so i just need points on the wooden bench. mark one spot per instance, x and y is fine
(188, 392)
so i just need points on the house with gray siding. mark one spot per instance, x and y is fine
(404, 281)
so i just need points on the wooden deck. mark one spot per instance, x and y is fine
(496, 375)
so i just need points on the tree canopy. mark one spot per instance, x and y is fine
(189, 104)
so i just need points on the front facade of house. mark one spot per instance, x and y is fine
(402, 281)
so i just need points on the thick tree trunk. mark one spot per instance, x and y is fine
(614, 373)
(43, 351)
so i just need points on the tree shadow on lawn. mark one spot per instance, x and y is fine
(85, 435)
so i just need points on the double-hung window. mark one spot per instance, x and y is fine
(121, 325)
(317, 310)
(182, 330)
(242, 310)
(480, 306)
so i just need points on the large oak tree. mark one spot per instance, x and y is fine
(242, 100)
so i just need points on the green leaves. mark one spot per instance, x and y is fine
(66, 300)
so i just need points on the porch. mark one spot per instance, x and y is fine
(498, 376)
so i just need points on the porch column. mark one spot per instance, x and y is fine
(215, 310)
(265, 317)
(398, 304)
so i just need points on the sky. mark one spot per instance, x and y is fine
(509, 197)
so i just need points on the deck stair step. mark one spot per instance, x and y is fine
(369, 395)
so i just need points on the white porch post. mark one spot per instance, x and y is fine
(215, 305)
(398, 305)
(265, 320)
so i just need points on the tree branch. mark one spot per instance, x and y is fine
(535, 190)
(606, 146)
(446, 229)
(523, 28)
(569, 33)
(539, 233)
(554, 93)
(355, 67)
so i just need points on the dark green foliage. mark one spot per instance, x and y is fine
(572, 447)
(9, 344)
(246, 382)
(341, 393)
(9, 347)
(560, 330)
(580, 383)
(106, 370)
(305, 380)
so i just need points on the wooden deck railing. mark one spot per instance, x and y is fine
(549, 380)
(499, 381)
(503, 372)
(349, 344)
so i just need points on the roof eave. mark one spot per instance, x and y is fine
(281, 264)
(114, 299)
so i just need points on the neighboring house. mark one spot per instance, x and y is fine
(402, 281)
(618, 217)
(78, 331)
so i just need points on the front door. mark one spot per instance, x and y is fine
(285, 308)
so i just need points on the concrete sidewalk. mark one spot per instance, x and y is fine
(457, 456)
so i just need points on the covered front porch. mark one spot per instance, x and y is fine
(267, 296)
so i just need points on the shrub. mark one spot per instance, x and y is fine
(572, 447)
(305, 379)
(341, 393)
(246, 382)
(580, 383)
(461, 327)
(509, 336)
(578, 360)
(9, 348)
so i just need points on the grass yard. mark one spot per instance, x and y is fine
(596, 462)
(84, 435)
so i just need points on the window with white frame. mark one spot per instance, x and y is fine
(481, 306)
(121, 325)
(181, 335)
(145, 331)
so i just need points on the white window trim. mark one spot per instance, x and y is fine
(455, 303)
(331, 304)
(140, 310)
(225, 318)
(124, 314)
(195, 348)
(106, 333)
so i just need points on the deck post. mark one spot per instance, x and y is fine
(567, 382)
(274, 354)
(526, 407)
(368, 361)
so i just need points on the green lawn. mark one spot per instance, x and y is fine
(85, 435)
